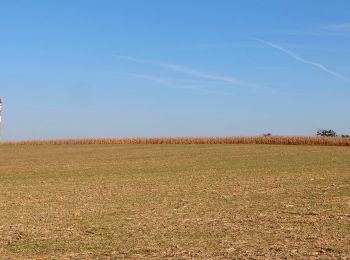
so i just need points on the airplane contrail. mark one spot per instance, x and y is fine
(302, 60)
(192, 72)
(170, 83)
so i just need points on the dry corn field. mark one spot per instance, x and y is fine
(287, 140)
(179, 201)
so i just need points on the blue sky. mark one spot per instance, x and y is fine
(72, 69)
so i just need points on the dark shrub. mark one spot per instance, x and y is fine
(324, 132)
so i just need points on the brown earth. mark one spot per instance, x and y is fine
(174, 201)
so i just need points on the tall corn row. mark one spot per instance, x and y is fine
(285, 140)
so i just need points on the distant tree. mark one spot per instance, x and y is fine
(325, 132)
(345, 136)
(268, 134)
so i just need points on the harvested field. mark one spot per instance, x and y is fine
(174, 201)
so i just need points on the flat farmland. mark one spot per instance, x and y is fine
(174, 201)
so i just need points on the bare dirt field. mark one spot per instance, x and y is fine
(174, 201)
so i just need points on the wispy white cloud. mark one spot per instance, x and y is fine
(336, 49)
(315, 32)
(342, 27)
(175, 83)
(160, 79)
(202, 75)
(193, 72)
(185, 70)
(214, 46)
(302, 60)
